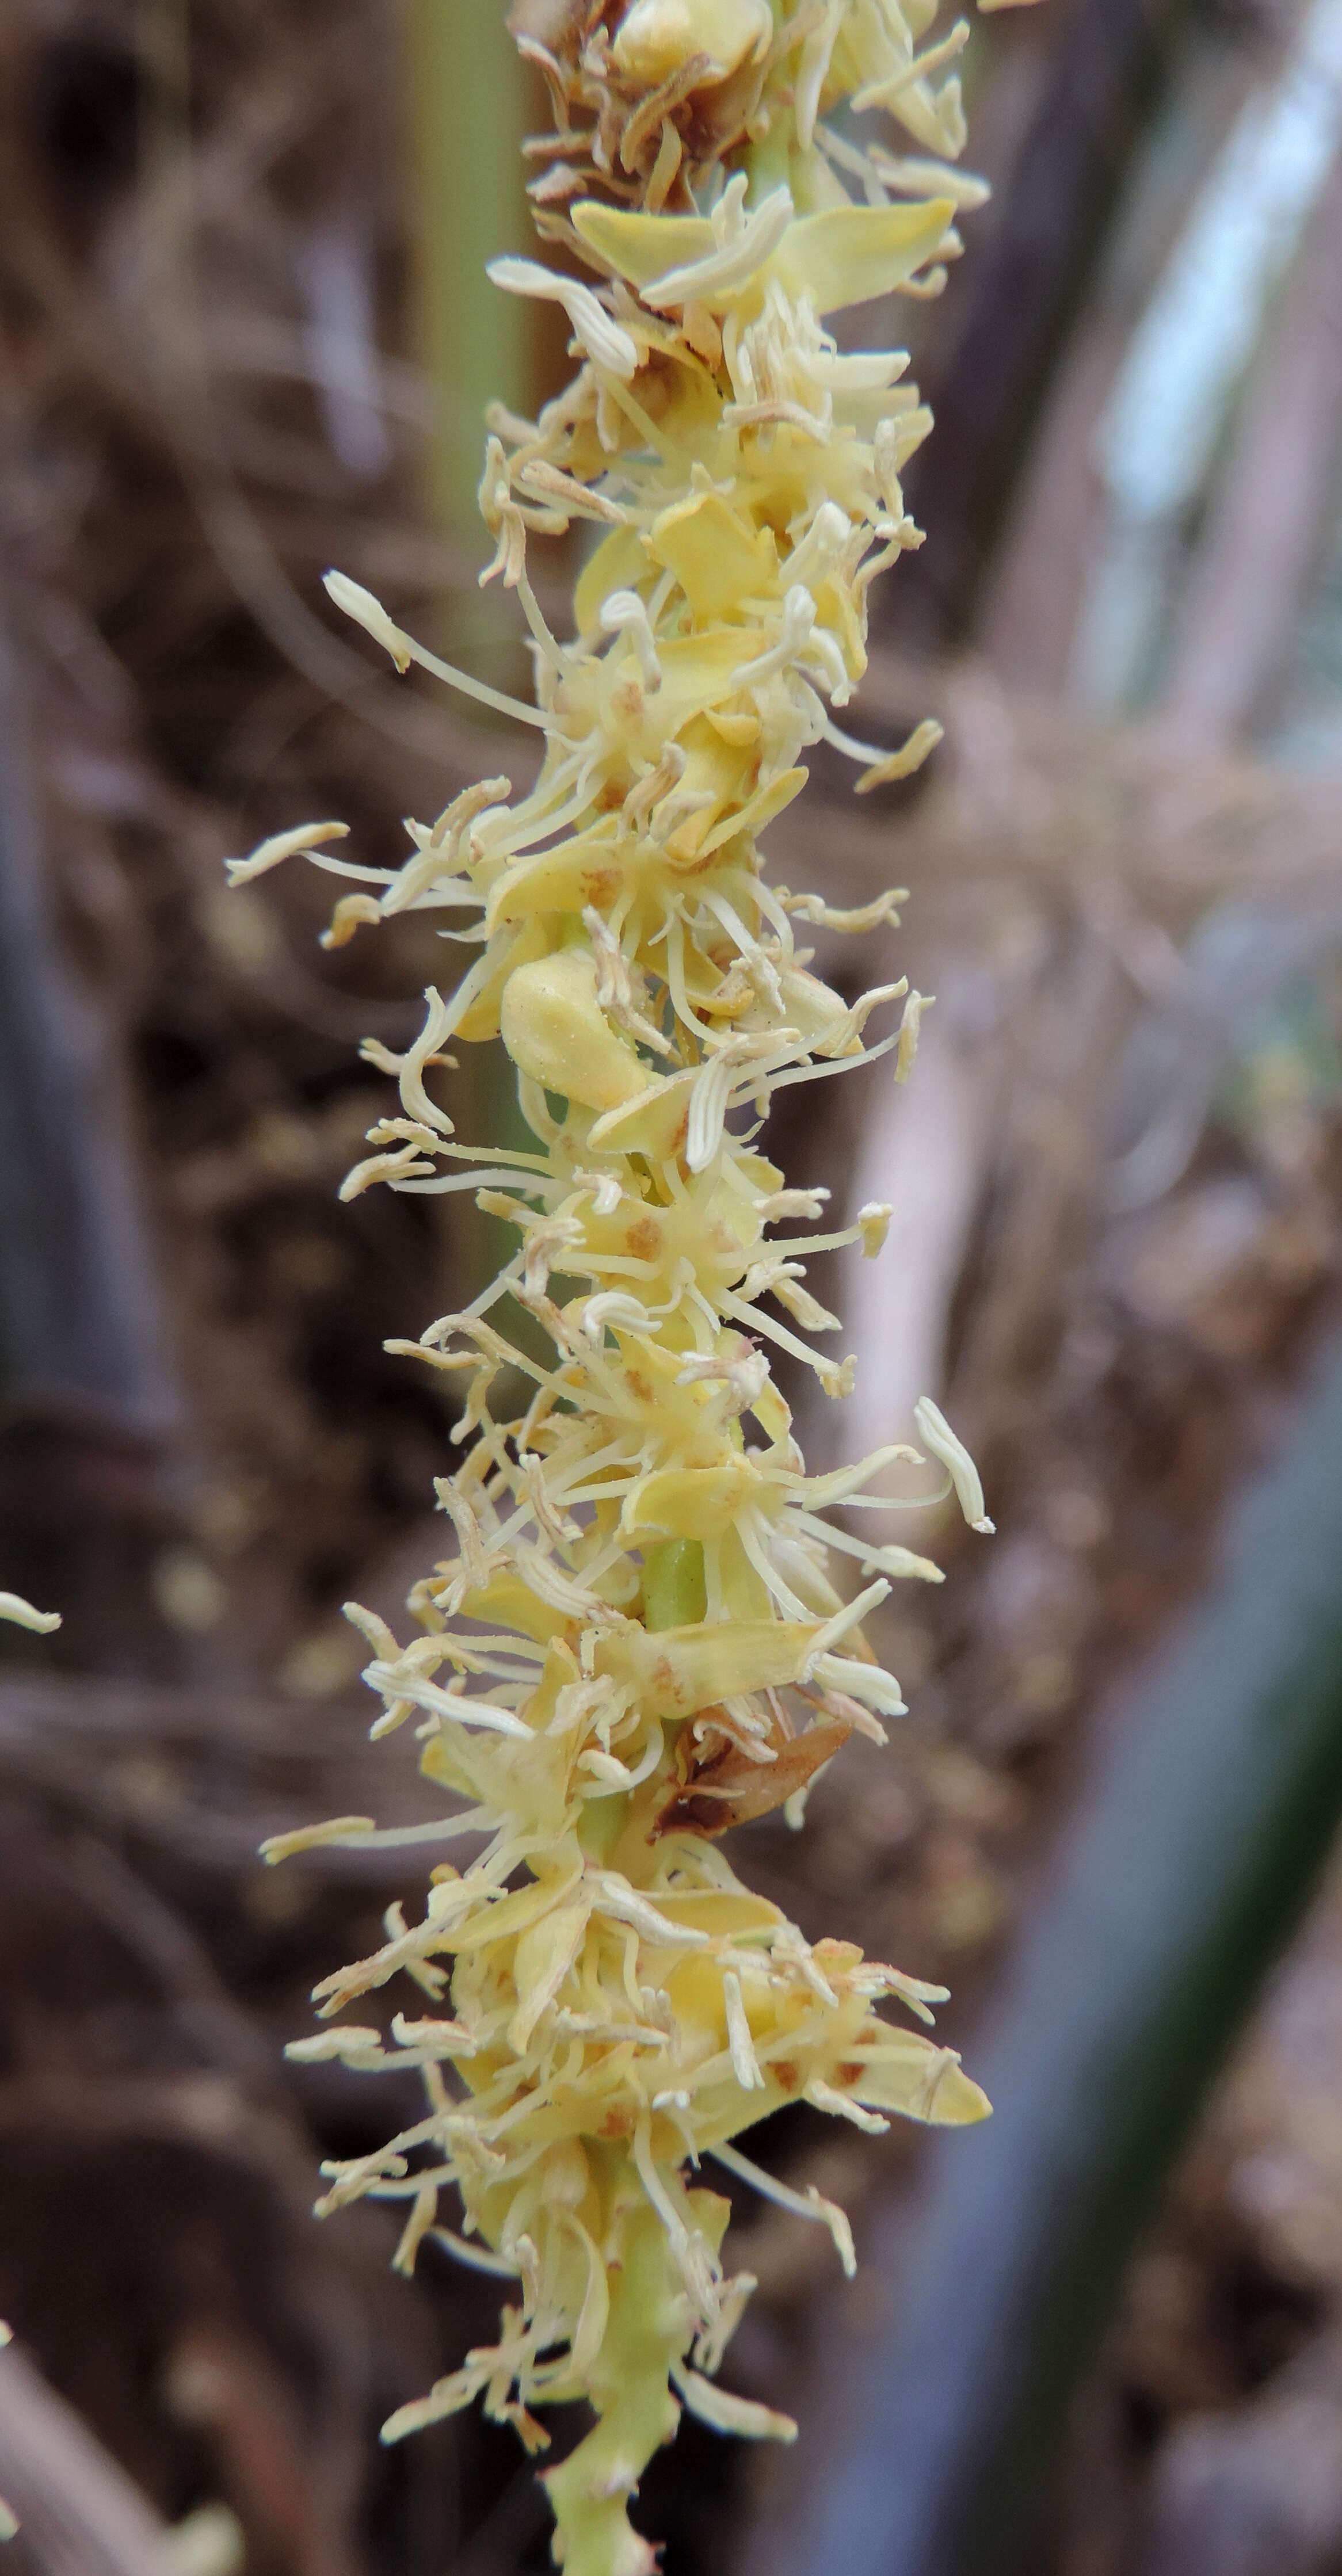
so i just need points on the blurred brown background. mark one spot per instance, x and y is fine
(241, 338)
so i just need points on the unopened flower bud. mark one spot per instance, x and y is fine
(556, 1032)
(657, 36)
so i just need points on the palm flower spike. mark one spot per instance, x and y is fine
(635, 1640)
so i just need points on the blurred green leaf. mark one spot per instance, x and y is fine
(1192, 1861)
(467, 201)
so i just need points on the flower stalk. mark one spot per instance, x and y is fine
(636, 1639)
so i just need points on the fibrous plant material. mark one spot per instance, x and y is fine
(637, 1642)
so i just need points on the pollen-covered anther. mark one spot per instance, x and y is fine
(615, 986)
(909, 1029)
(873, 1223)
(281, 846)
(741, 245)
(837, 1381)
(350, 914)
(21, 1614)
(649, 790)
(935, 1431)
(613, 1310)
(739, 1366)
(596, 331)
(784, 1203)
(624, 613)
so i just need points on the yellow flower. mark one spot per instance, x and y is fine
(657, 95)
(635, 1640)
(657, 39)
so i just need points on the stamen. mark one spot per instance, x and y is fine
(605, 342)
(283, 845)
(623, 613)
(935, 1430)
(722, 272)
(369, 613)
(810, 2204)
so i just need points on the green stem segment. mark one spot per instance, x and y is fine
(673, 1585)
(465, 117)
(636, 2412)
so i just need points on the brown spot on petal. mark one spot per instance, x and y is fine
(727, 1788)
(600, 886)
(692, 1816)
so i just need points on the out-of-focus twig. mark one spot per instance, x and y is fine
(79, 1317)
(1028, 797)
(78, 2513)
(187, 2084)
(176, 353)
(1108, 65)
(205, 1775)
(923, 1152)
(1259, 2488)
(1046, 1184)
(1258, 550)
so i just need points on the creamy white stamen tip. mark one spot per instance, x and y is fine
(283, 845)
(21, 1614)
(369, 613)
(745, 2064)
(936, 1434)
(594, 328)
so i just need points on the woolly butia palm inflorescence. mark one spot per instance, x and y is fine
(637, 1641)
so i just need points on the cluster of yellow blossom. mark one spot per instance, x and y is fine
(636, 1641)
(652, 99)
